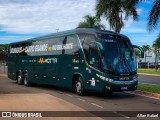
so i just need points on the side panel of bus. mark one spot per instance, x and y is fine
(56, 66)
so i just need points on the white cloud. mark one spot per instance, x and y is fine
(15, 38)
(43, 16)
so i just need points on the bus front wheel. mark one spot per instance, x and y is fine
(19, 79)
(79, 87)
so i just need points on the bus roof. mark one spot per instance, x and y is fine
(73, 31)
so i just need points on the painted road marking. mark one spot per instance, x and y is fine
(143, 95)
(96, 105)
(81, 99)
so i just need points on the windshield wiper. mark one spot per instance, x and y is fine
(127, 64)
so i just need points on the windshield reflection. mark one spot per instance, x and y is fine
(119, 57)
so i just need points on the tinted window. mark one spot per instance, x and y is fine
(53, 46)
(85, 40)
(17, 50)
(94, 56)
(71, 45)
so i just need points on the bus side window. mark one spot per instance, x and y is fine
(88, 39)
(23, 53)
(82, 38)
(94, 57)
(71, 45)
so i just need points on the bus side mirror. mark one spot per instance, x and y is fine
(99, 45)
(141, 50)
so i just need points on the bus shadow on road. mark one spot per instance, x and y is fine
(51, 89)
(61, 90)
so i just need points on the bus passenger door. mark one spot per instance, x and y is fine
(94, 57)
(94, 61)
(69, 61)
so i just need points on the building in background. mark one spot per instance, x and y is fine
(150, 60)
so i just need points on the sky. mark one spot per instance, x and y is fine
(25, 19)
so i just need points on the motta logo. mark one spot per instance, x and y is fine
(41, 61)
(47, 60)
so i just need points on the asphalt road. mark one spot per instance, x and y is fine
(148, 79)
(115, 103)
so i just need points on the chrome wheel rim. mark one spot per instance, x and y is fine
(25, 81)
(78, 87)
(19, 78)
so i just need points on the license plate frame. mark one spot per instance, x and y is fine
(124, 88)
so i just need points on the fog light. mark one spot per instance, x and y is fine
(110, 80)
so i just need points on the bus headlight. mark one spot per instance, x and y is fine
(104, 78)
(109, 80)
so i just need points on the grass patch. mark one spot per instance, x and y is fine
(149, 88)
(149, 71)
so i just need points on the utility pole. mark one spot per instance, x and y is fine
(57, 29)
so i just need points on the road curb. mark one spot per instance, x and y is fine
(147, 93)
(149, 74)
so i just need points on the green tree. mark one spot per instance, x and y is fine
(156, 47)
(157, 42)
(91, 22)
(3, 48)
(137, 52)
(154, 16)
(116, 11)
(146, 48)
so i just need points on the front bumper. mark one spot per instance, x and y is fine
(114, 85)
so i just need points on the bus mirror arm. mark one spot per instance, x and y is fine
(100, 48)
(139, 48)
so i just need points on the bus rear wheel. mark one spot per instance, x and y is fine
(79, 87)
(26, 82)
(19, 79)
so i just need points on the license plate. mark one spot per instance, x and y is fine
(123, 88)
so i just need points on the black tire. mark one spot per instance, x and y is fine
(25, 79)
(19, 79)
(79, 88)
(109, 93)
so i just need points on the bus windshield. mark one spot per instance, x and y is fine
(119, 57)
